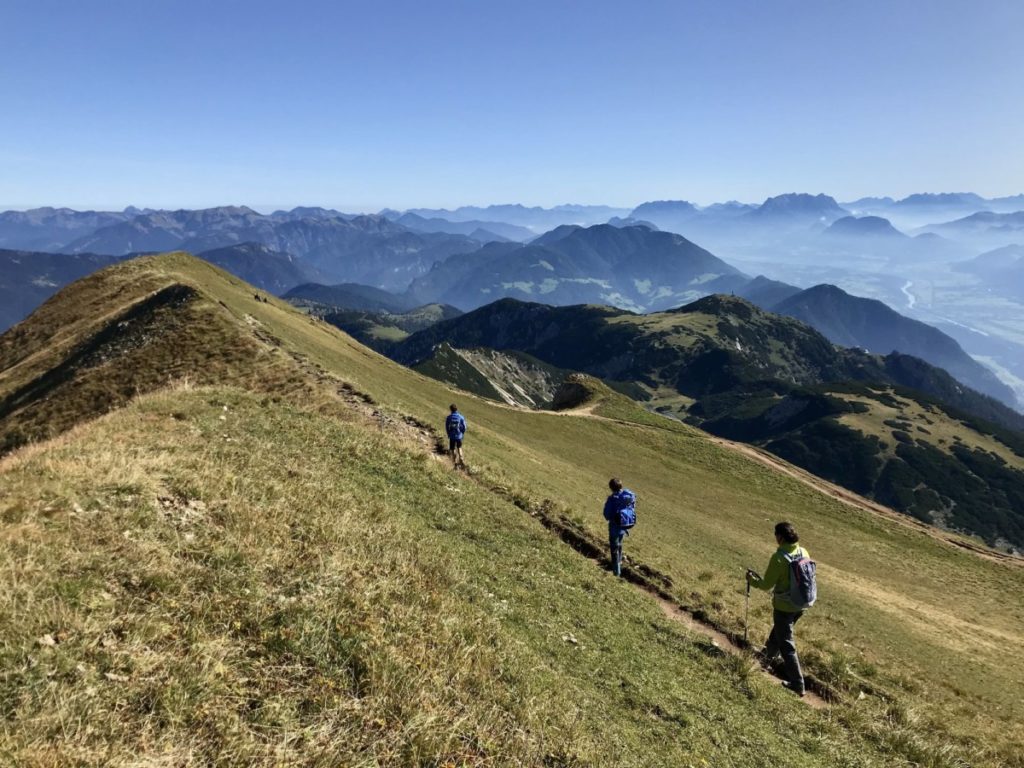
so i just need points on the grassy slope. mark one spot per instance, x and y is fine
(226, 579)
(897, 606)
(926, 460)
(933, 426)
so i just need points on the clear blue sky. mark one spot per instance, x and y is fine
(368, 104)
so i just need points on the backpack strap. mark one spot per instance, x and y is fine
(792, 558)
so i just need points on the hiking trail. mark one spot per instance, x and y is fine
(422, 436)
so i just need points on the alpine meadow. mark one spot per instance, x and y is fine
(184, 581)
(511, 385)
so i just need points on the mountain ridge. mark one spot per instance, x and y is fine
(368, 249)
(628, 266)
(852, 321)
(732, 368)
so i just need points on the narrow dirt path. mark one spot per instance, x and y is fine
(649, 580)
(723, 643)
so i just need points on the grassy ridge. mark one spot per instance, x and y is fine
(208, 577)
(934, 632)
(707, 513)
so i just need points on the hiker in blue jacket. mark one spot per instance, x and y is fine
(455, 426)
(620, 512)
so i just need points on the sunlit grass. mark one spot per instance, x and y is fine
(907, 619)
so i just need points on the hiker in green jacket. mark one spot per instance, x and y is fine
(784, 614)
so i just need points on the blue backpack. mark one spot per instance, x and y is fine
(627, 508)
(803, 584)
(455, 426)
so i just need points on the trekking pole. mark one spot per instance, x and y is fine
(746, 616)
(746, 610)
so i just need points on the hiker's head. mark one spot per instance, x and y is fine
(785, 533)
(615, 484)
(453, 407)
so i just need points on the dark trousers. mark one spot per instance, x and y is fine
(781, 641)
(615, 537)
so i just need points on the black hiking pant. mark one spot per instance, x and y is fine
(615, 537)
(781, 641)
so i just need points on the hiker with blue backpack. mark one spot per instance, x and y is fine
(620, 512)
(455, 427)
(791, 578)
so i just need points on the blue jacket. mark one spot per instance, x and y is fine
(455, 426)
(624, 499)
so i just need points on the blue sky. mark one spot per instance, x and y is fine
(372, 104)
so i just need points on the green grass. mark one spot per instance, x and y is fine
(933, 426)
(932, 633)
(277, 587)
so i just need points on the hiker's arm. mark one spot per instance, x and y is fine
(771, 575)
(609, 508)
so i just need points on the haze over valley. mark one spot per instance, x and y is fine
(957, 273)
(470, 385)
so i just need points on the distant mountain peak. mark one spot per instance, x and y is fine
(864, 226)
(799, 205)
(940, 199)
(663, 206)
(632, 267)
(720, 304)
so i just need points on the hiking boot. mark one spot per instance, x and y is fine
(798, 690)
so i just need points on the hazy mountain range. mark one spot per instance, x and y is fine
(53, 229)
(474, 228)
(963, 213)
(327, 237)
(369, 249)
(533, 218)
(656, 256)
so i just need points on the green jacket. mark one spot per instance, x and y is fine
(776, 578)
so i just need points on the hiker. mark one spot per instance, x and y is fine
(789, 600)
(455, 426)
(620, 512)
